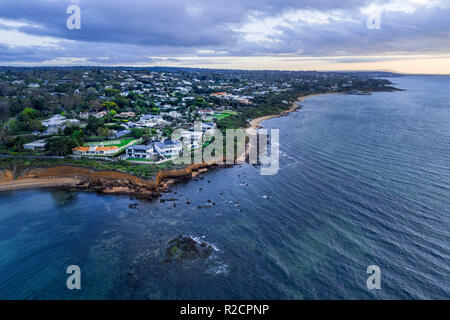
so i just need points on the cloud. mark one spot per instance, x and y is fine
(129, 32)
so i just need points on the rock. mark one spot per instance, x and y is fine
(182, 247)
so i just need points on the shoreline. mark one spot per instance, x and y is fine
(30, 183)
(255, 123)
(163, 179)
(106, 182)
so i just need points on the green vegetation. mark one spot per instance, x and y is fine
(119, 143)
(221, 116)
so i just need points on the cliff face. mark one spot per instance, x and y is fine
(103, 181)
(6, 175)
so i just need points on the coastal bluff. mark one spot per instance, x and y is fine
(111, 182)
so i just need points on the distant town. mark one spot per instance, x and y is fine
(128, 115)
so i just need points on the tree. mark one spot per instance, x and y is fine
(35, 125)
(68, 130)
(111, 92)
(93, 124)
(78, 136)
(110, 105)
(137, 132)
(4, 109)
(29, 113)
(103, 132)
(61, 146)
(3, 133)
(95, 105)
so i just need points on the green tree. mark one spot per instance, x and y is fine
(110, 105)
(137, 132)
(61, 146)
(93, 124)
(29, 113)
(103, 132)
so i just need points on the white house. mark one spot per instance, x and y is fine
(35, 145)
(173, 114)
(140, 151)
(151, 120)
(191, 139)
(150, 117)
(206, 112)
(168, 148)
(208, 126)
(53, 129)
(129, 114)
(95, 150)
(58, 120)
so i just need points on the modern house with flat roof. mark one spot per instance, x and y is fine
(208, 126)
(36, 145)
(168, 148)
(140, 151)
(191, 139)
(59, 120)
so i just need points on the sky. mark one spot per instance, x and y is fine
(408, 36)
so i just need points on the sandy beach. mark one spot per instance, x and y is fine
(255, 123)
(38, 183)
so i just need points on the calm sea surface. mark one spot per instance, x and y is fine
(363, 180)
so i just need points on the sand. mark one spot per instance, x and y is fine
(38, 183)
(255, 123)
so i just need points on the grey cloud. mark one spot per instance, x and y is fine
(137, 31)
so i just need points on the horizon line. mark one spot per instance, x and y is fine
(227, 69)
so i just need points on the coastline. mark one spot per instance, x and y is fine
(121, 183)
(30, 183)
(255, 123)
(108, 182)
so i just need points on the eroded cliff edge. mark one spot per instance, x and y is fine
(93, 180)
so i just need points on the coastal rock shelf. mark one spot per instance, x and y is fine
(100, 181)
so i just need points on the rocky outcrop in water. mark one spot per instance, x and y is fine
(181, 248)
(123, 185)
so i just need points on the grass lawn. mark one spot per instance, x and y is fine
(230, 112)
(221, 116)
(119, 143)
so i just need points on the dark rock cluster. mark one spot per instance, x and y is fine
(182, 247)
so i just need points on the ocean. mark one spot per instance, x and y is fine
(363, 180)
